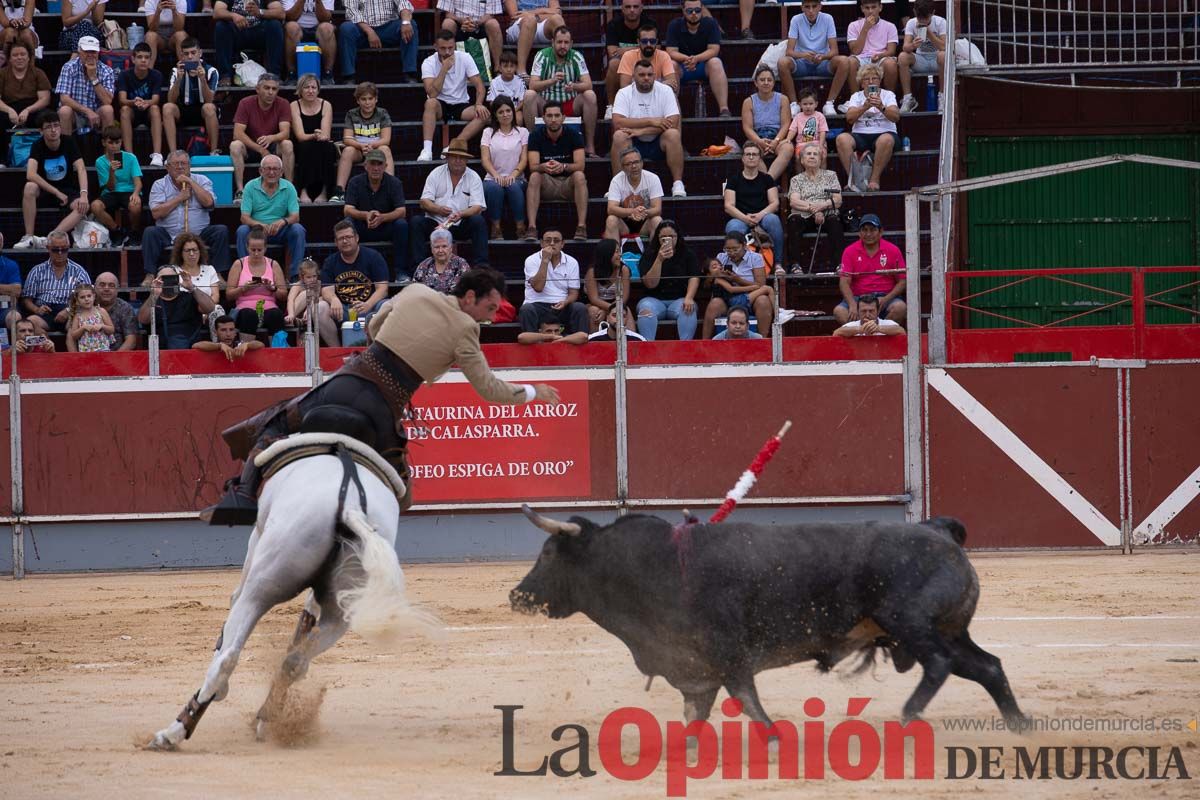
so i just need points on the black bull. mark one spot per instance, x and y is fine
(720, 603)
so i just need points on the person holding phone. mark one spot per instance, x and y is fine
(872, 115)
(924, 50)
(28, 340)
(164, 27)
(178, 309)
(258, 288)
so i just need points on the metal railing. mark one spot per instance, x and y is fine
(1111, 34)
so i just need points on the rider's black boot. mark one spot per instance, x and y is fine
(239, 506)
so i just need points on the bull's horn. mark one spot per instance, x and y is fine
(551, 526)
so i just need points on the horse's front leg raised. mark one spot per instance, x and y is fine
(242, 618)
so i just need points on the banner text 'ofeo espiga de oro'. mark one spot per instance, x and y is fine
(463, 448)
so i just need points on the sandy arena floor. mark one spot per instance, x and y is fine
(90, 664)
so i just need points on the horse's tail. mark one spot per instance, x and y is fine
(377, 609)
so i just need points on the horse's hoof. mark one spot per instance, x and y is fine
(161, 742)
(260, 730)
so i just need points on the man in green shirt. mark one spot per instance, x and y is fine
(270, 200)
(560, 73)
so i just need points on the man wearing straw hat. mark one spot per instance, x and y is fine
(452, 199)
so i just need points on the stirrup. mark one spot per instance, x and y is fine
(235, 508)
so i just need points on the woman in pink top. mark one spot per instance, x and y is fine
(504, 151)
(257, 287)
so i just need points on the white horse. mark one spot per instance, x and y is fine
(299, 542)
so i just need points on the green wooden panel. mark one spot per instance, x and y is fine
(1114, 216)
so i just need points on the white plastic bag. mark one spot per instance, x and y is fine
(248, 72)
(967, 54)
(90, 234)
(770, 58)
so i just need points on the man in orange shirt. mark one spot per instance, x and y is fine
(649, 48)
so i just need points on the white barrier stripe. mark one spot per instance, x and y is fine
(1168, 509)
(1024, 457)
(814, 369)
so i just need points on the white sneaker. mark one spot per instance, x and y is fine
(27, 241)
(844, 107)
(941, 100)
(425, 155)
(796, 108)
(677, 189)
(828, 110)
(908, 104)
(608, 112)
(156, 159)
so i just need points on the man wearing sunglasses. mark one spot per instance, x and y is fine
(48, 286)
(693, 44)
(648, 49)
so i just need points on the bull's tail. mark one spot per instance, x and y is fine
(949, 526)
(378, 609)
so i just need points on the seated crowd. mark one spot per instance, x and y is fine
(533, 125)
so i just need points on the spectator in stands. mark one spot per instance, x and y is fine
(872, 114)
(533, 22)
(248, 25)
(139, 92)
(190, 97)
(48, 286)
(868, 322)
(607, 276)
(560, 74)
(89, 327)
(649, 49)
(766, 121)
(80, 19)
(119, 206)
(375, 203)
(190, 255)
(452, 198)
(310, 21)
(377, 23)
(29, 340)
(85, 90)
(739, 277)
(228, 341)
(607, 330)
(694, 44)
(181, 202)
(812, 52)
(556, 169)
(442, 269)
(307, 293)
(270, 201)
(446, 74)
(504, 152)
(475, 19)
(24, 92)
(262, 126)
(621, 37)
(357, 274)
(55, 176)
(552, 288)
(10, 288)
(872, 41)
(634, 199)
(177, 309)
(924, 50)
(256, 288)
(551, 331)
(316, 154)
(670, 279)
(809, 126)
(737, 326)
(164, 27)
(752, 198)
(867, 267)
(16, 25)
(124, 319)
(814, 197)
(745, 15)
(508, 84)
(646, 116)
(367, 128)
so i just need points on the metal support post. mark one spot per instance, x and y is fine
(152, 341)
(913, 455)
(777, 325)
(937, 311)
(621, 407)
(17, 469)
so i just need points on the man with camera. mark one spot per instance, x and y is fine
(28, 340)
(190, 97)
(179, 318)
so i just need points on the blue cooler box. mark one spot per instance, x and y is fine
(308, 59)
(219, 170)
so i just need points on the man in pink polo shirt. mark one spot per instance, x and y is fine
(872, 40)
(867, 268)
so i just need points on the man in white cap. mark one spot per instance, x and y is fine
(85, 90)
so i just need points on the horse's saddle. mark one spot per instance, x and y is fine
(305, 445)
